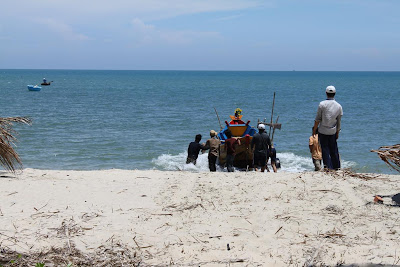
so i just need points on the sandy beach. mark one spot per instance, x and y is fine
(205, 219)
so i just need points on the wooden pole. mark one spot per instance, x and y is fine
(272, 115)
(273, 131)
(218, 118)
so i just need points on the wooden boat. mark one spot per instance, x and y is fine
(34, 87)
(242, 131)
(46, 83)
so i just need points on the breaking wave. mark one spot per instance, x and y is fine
(289, 163)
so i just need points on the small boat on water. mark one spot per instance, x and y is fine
(45, 82)
(34, 87)
(244, 132)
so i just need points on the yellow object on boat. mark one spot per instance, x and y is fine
(237, 130)
(236, 118)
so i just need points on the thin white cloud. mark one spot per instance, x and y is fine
(62, 29)
(148, 34)
(77, 10)
(140, 26)
(187, 37)
(228, 18)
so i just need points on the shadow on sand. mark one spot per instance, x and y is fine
(7, 175)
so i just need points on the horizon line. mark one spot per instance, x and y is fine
(207, 70)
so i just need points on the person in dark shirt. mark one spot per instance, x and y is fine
(261, 145)
(194, 149)
(230, 144)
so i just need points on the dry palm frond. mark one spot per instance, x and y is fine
(109, 254)
(364, 176)
(8, 156)
(390, 155)
(347, 172)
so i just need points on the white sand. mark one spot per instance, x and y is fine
(189, 218)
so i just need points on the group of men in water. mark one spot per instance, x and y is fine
(322, 142)
(260, 144)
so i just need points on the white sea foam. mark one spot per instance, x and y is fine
(289, 162)
(178, 162)
(293, 163)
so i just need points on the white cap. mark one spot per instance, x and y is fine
(330, 89)
(261, 126)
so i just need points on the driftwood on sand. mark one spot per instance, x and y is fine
(390, 155)
(9, 158)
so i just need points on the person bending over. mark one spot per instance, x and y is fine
(194, 149)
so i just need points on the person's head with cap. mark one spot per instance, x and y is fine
(261, 127)
(213, 133)
(330, 91)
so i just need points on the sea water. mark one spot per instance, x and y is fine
(91, 120)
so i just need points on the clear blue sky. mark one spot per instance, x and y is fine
(200, 34)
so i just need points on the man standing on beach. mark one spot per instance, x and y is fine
(213, 145)
(315, 150)
(230, 144)
(194, 149)
(261, 146)
(328, 119)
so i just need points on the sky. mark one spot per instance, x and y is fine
(249, 35)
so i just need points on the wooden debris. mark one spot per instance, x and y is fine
(343, 173)
(115, 254)
(280, 228)
(217, 236)
(390, 155)
(327, 235)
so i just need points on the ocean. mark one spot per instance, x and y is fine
(95, 120)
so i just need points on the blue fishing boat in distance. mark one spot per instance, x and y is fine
(34, 87)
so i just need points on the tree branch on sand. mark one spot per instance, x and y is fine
(390, 155)
(9, 158)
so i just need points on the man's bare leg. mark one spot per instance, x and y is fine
(273, 166)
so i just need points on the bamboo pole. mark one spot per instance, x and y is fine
(273, 131)
(272, 115)
(218, 118)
